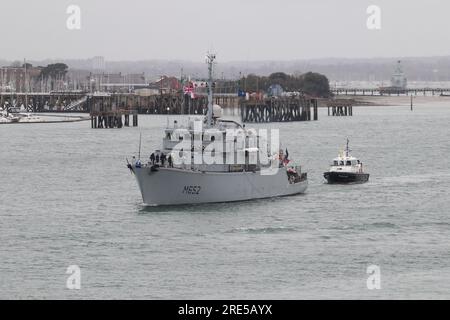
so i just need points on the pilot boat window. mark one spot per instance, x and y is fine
(341, 163)
(335, 163)
(168, 135)
(349, 163)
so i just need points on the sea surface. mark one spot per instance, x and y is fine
(67, 198)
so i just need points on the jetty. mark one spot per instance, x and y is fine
(77, 101)
(111, 111)
(115, 110)
(279, 109)
(54, 101)
(388, 91)
(340, 107)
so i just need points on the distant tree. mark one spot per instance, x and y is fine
(278, 77)
(52, 74)
(16, 64)
(315, 84)
(310, 83)
(27, 65)
(54, 71)
(253, 83)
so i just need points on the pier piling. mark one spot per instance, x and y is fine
(340, 107)
(279, 109)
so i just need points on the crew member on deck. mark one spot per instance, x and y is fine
(163, 159)
(137, 162)
(170, 161)
(152, 158)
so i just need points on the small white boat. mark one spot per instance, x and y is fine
(28, 118)
(6, 117)
(346, 169)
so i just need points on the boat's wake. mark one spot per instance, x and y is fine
(258, 230)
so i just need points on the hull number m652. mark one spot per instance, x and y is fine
(192, 189)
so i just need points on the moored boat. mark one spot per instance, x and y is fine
(7, 117)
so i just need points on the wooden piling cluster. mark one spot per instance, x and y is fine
(170, 103)
(167, 103)
(116, 119)
(108, 111)
(182, 104)
(282, 109)
(340, 107)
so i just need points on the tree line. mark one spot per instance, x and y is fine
(311, 83)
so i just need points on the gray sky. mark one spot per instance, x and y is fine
(242, 30)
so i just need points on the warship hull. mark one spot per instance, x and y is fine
(171, 186)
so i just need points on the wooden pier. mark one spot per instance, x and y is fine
(182, 104)
(113, 119)
(45, 101)
(108, 112)
(390, 91)
(340, 107)
(279, 109)
(173, 103)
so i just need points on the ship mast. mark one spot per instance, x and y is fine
(210, 57)
(346, 149)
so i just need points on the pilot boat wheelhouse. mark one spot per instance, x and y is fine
(346, 169)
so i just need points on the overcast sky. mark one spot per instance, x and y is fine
(242, 30)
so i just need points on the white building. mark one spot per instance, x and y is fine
(398, 79)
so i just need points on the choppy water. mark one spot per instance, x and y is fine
(67, 198)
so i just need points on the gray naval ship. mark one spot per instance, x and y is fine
(211, 159)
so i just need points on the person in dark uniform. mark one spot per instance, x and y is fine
(170, 161)
(157, 158)
(163, 159)
(152, 158)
